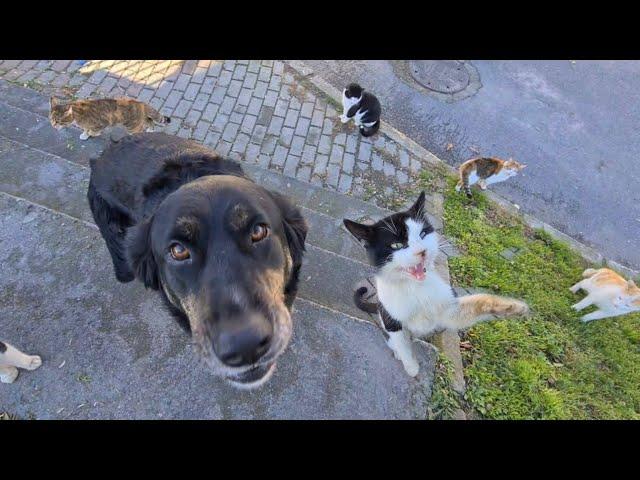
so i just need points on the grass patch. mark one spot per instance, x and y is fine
(444, 400)
(551, 365)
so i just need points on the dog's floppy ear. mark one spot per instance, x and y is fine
(295, 227)
(140, 256)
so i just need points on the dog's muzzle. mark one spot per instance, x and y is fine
(253, 377)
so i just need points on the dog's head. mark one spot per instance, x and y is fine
(224, 252)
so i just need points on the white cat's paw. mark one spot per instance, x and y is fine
(9, 375)
(344, 119)
(34, 362)
(84, 136)
(412, 368)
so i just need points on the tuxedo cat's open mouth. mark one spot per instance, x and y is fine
(417, 271)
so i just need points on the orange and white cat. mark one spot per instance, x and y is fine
(11, 359)
(484, 171)
(612, 294)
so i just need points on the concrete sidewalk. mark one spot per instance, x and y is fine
(110, 350)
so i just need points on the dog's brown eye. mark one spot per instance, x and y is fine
(259, 232)
(178, 252)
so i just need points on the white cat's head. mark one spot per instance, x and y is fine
(404, 244)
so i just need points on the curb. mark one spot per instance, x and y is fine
(586, 252)
(448, 342)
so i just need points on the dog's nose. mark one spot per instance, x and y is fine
(243, 344)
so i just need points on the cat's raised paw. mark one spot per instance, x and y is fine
(84, 136)
(34, 362)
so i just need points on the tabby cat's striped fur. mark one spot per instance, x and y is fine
(94, 115)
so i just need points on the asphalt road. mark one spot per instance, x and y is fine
(575, 124)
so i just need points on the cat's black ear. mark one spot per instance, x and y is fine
(358, 230)
(418, 207)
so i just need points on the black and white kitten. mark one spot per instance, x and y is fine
(363, 107)
(11, 359)
(413, 300)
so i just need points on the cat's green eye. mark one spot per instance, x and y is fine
(397, 246)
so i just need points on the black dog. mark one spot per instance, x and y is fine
(223, 252)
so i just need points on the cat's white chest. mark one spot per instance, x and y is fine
(347, 102)
(418, 306)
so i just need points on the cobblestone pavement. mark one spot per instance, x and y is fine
(257, 111)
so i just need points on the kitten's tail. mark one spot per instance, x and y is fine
(358, 298)
(368, 131)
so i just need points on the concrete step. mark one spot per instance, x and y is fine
(53, 171)
(327, 277)
(111, 351)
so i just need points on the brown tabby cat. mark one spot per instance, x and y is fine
(94, 115)
(485, 171)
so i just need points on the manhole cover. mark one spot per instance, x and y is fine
(444, 76)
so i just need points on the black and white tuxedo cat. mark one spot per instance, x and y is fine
(363, 107)
(413, 300)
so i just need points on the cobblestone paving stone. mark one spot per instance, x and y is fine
(258, 111)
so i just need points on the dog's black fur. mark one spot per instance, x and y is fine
(151, 191)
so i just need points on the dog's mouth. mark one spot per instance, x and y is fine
(253, 377)
(418, 271)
